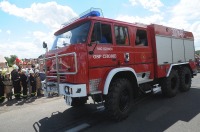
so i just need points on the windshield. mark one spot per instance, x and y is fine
(75, 35)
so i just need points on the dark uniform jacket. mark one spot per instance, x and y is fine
(32, 81)
(1, 86)
(23, 79)
(15, 77)
(1, 80)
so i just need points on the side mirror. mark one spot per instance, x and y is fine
(44, 45)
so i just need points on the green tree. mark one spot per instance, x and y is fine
(11, 60)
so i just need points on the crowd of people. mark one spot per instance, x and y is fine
(20, 83)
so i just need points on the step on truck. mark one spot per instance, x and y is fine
(113, 62)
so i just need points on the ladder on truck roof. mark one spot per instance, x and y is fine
(92, 12)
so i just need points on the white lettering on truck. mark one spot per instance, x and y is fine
(104, 56)
(104, 48)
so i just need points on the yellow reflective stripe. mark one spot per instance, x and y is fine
(33, 93)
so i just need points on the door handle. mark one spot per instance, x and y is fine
(126, 57)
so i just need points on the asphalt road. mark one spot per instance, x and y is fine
(150, 114)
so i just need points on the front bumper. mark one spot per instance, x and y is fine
(66, 89)
(72, 90)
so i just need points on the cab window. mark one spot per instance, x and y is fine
(121, 35)
(76, 35)
(103, 32)
(141, 38)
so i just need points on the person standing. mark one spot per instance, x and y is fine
(33, 67)
(8, 86)
(18, 62)
(38, 82)
(24, 82)
(16, 81)
(1, 87)
(32, 83)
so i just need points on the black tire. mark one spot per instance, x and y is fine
(185, 79)
(170, 84)
(119, 99)
(79, 101)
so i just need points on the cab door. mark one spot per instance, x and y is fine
(100, 48)
(143, 55)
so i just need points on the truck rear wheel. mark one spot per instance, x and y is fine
(78, 101)
(119, 98)
(185, 79)
(170, 85)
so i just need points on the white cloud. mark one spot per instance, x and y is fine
(185, 15)
(40, 37)
(29, 49)
(21, 49)
(156, 18)
(0, 30)
(8, 32)
(133, 2)
(151, 5)
(50, 13)
(188, 10)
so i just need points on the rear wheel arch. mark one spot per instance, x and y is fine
(177, 67)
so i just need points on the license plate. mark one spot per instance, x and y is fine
(68, 100)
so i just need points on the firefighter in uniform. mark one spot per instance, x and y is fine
(24, 82)
(16, 81)
(32, 83)
(1, 87)
(18, 62)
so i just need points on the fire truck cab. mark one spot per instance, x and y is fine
(114, 62)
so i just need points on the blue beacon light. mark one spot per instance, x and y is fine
(92, 14)
(89, 13)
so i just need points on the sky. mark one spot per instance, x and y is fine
(25, 24)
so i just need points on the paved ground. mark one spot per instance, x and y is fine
(153, 113)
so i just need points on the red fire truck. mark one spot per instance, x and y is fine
(113, 62)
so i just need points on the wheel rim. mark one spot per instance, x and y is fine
(124, 100)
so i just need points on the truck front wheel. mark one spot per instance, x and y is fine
(118, 100)
(185, 79)
(170, 84)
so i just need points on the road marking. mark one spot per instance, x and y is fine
(78, 128)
